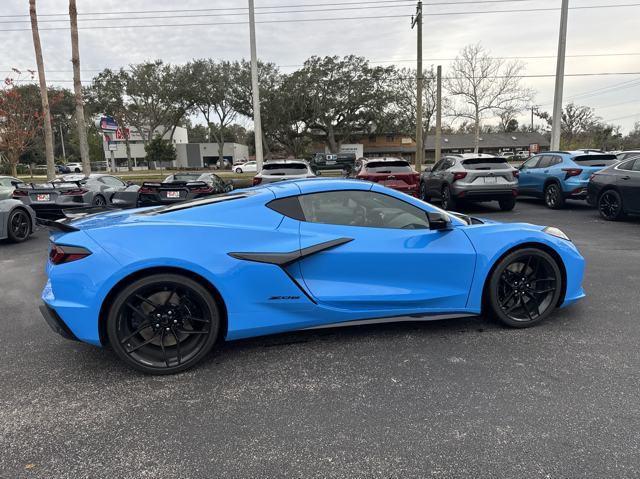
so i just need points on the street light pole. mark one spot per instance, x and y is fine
(557, 99)
(417, 20)
(257, 122)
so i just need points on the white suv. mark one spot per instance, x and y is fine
(278, 170)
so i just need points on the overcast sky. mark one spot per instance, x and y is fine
(602, 31)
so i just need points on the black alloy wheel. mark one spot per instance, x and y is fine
(553, 196)
(99, 201)
(19, 226)
(163, 324)
(423, 192)
(610, 205)
(525, 287)
(448, 202)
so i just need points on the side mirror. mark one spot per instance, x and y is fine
(129, 183)
(439, 221)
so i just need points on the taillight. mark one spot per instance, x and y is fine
(516, 173)
(75, 192)
(256, 180)
(145, 190)
(19, 193)
(60, 254)
(569, 172)
(459, 175)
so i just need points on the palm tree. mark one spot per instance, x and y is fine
(48, 133)
(77, 87)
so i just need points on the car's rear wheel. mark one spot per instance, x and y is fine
(553, 196)
(507, 204)
(424, 196)
(19, 226)
(448, 201)
(525, 287)
(610, 205)
(163, 323)
(99, 201)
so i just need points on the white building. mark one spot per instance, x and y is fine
(188, 155)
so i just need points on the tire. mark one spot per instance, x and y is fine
(99, 200)
(423, 192)
(238, 170)
(553, 198)
(610, 205)
(507, 204)
(19, 226)
(77, 170)
(156, 331)
(524, 288)
(448, 201)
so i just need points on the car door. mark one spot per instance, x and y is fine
(430, 177)
(389, 260)
(437, 177)
(527, 176)
(628, 182)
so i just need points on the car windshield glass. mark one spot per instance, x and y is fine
(596, 160)
(485, 164)
(285, 168)
(388, 167)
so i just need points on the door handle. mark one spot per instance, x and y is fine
(625, 178)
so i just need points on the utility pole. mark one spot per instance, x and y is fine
(557, 98)
(438, 114)
(64, 153)
(417, 20)
(532, 110)
(257, 122)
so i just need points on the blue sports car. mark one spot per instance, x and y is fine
(161, 285)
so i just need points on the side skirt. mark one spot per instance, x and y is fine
(394, 319)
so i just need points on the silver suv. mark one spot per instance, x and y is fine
(278, 170)
(473, 177)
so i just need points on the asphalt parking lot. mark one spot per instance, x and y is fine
(457, 398)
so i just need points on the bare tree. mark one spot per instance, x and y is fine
(48, 133)
(77, 88)
(485, 85)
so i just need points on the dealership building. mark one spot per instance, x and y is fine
(188, 155)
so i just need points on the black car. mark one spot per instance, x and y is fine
(181, 187)
(342, 161)
(616, 189)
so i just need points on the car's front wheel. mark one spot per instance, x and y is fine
(163, 323)
(524, 288)
(424, 196)
(610, 205)
(238, 170)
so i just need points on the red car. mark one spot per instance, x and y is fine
(393, 173)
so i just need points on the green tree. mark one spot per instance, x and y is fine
(159, 151)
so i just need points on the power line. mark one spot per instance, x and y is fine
(600, 91)
(623, 117)
(444, 78)
(324, 19)
(178, 10)
(534, 57)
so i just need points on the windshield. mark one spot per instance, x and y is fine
(596, 160)
(399, 166)
(285, 168)
(485, 164)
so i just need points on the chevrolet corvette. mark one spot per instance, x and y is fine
(163, 285)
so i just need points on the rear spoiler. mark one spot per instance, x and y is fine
(59, 225)
(55, 185)
(175, 184)
(72, 215)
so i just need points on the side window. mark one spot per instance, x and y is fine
(531, 163)
(545, 161)
(437, 166)
(362, 208)
(112, 181)
(636, 164)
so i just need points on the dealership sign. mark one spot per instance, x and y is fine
(534, 148)
(107, 123)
